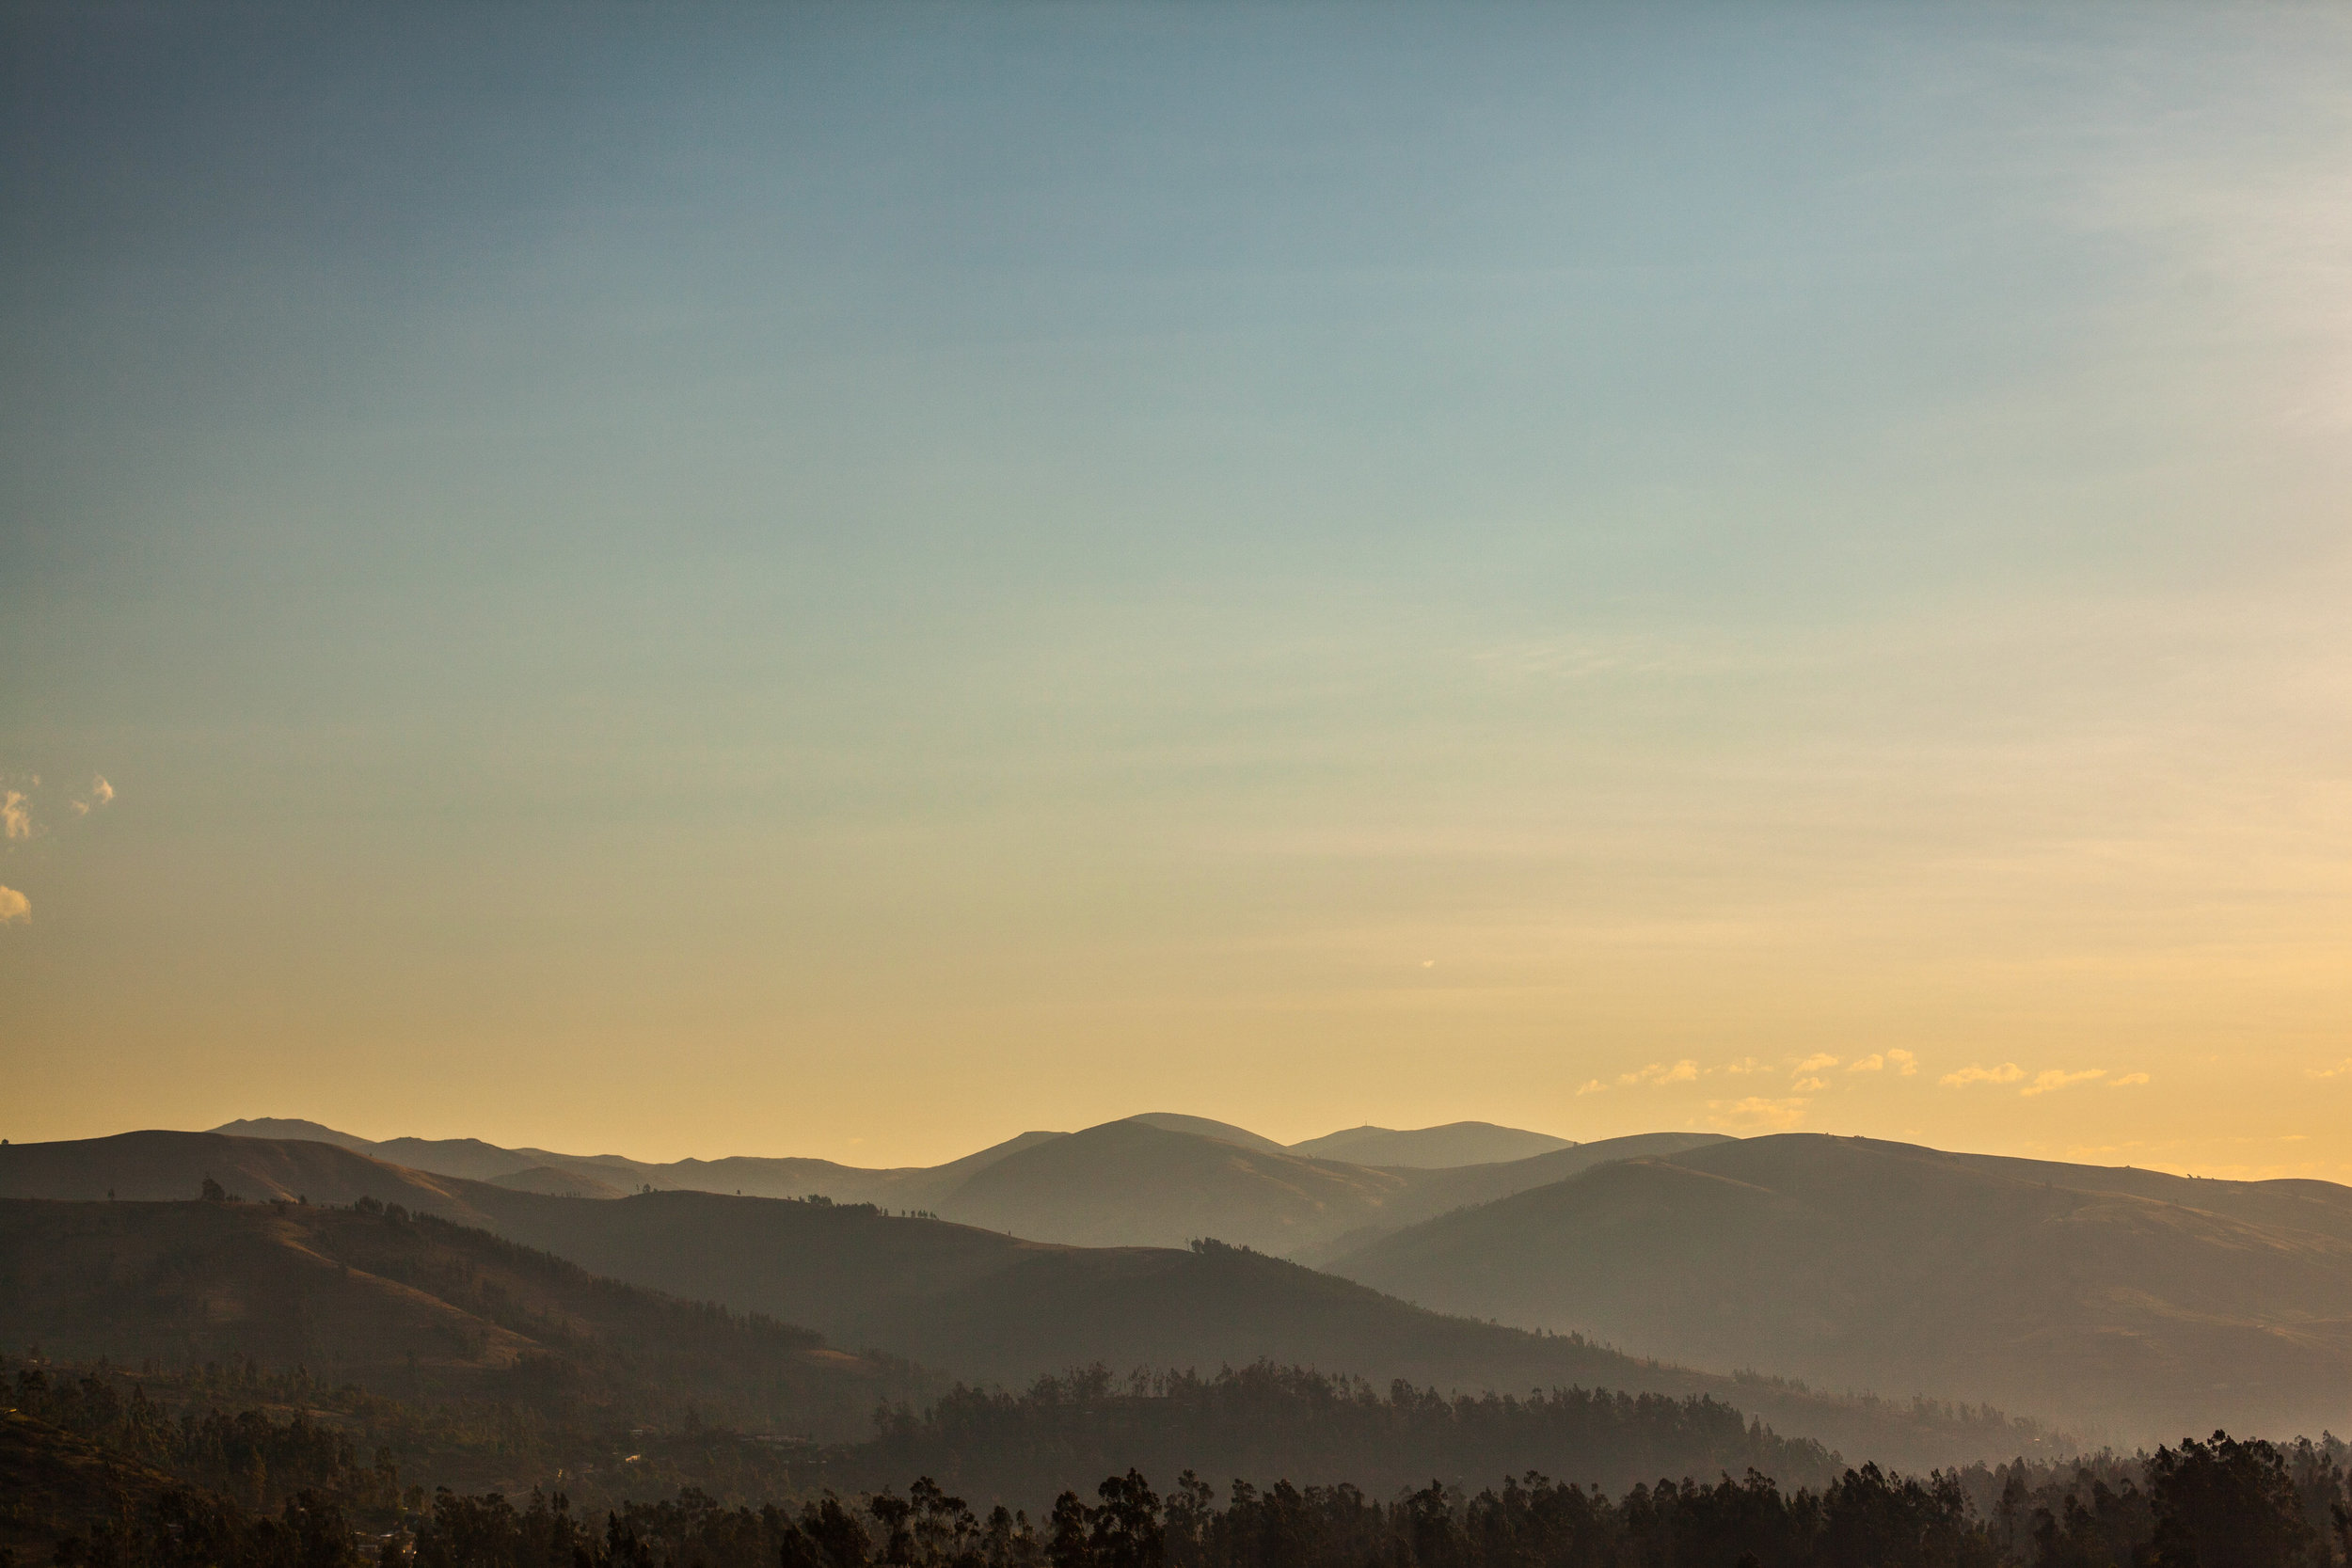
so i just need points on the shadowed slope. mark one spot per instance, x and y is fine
(1888, 1266)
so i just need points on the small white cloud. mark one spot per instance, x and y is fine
(14, 906)
(16, 814)
(99, 793)
(1594, 1086)
(1904, 1063)
(2047, 1082)
(1746, 1065)
(2127, 1081)
(1820, 1061)
(1808, 1085)
(1872, 1063)
(2008, 1072)
(1684, 1071)
(2342, 1069)
(1756, 1112)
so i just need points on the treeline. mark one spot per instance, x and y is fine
(2217, 1504)
(2224, 1503)
(1265, 1422)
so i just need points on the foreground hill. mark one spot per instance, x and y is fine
(410, 1307)
(2154, 1303)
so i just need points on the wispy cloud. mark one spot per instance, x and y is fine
(1902, 1062)
(16, 814)
(2054, 1078)
(2342, 1069)
(1757, 1112)
(1820, 1061)
(1684, 1071)
(1592, 1086)
(2127, 1081)
(2008, 1072)
(14, 906)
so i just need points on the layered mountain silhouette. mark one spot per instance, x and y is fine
(2144, 1302)
(2151, 1304)
(1156, 1179)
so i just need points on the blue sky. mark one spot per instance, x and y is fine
(853, 579)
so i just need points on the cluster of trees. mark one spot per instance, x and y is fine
(246, 1455)
(1266, 1420)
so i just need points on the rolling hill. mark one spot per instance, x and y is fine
(2149, 1303)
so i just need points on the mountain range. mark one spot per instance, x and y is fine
(961, 1301)
(1156, 1179)
(2130, 1304)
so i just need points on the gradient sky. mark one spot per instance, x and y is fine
(852, 581)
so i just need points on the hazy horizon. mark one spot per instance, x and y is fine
(856, 582)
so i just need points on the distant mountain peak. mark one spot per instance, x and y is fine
(293, 1127)
(1202, 1127)
(1456, 1143)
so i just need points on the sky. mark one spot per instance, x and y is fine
(852, 581)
